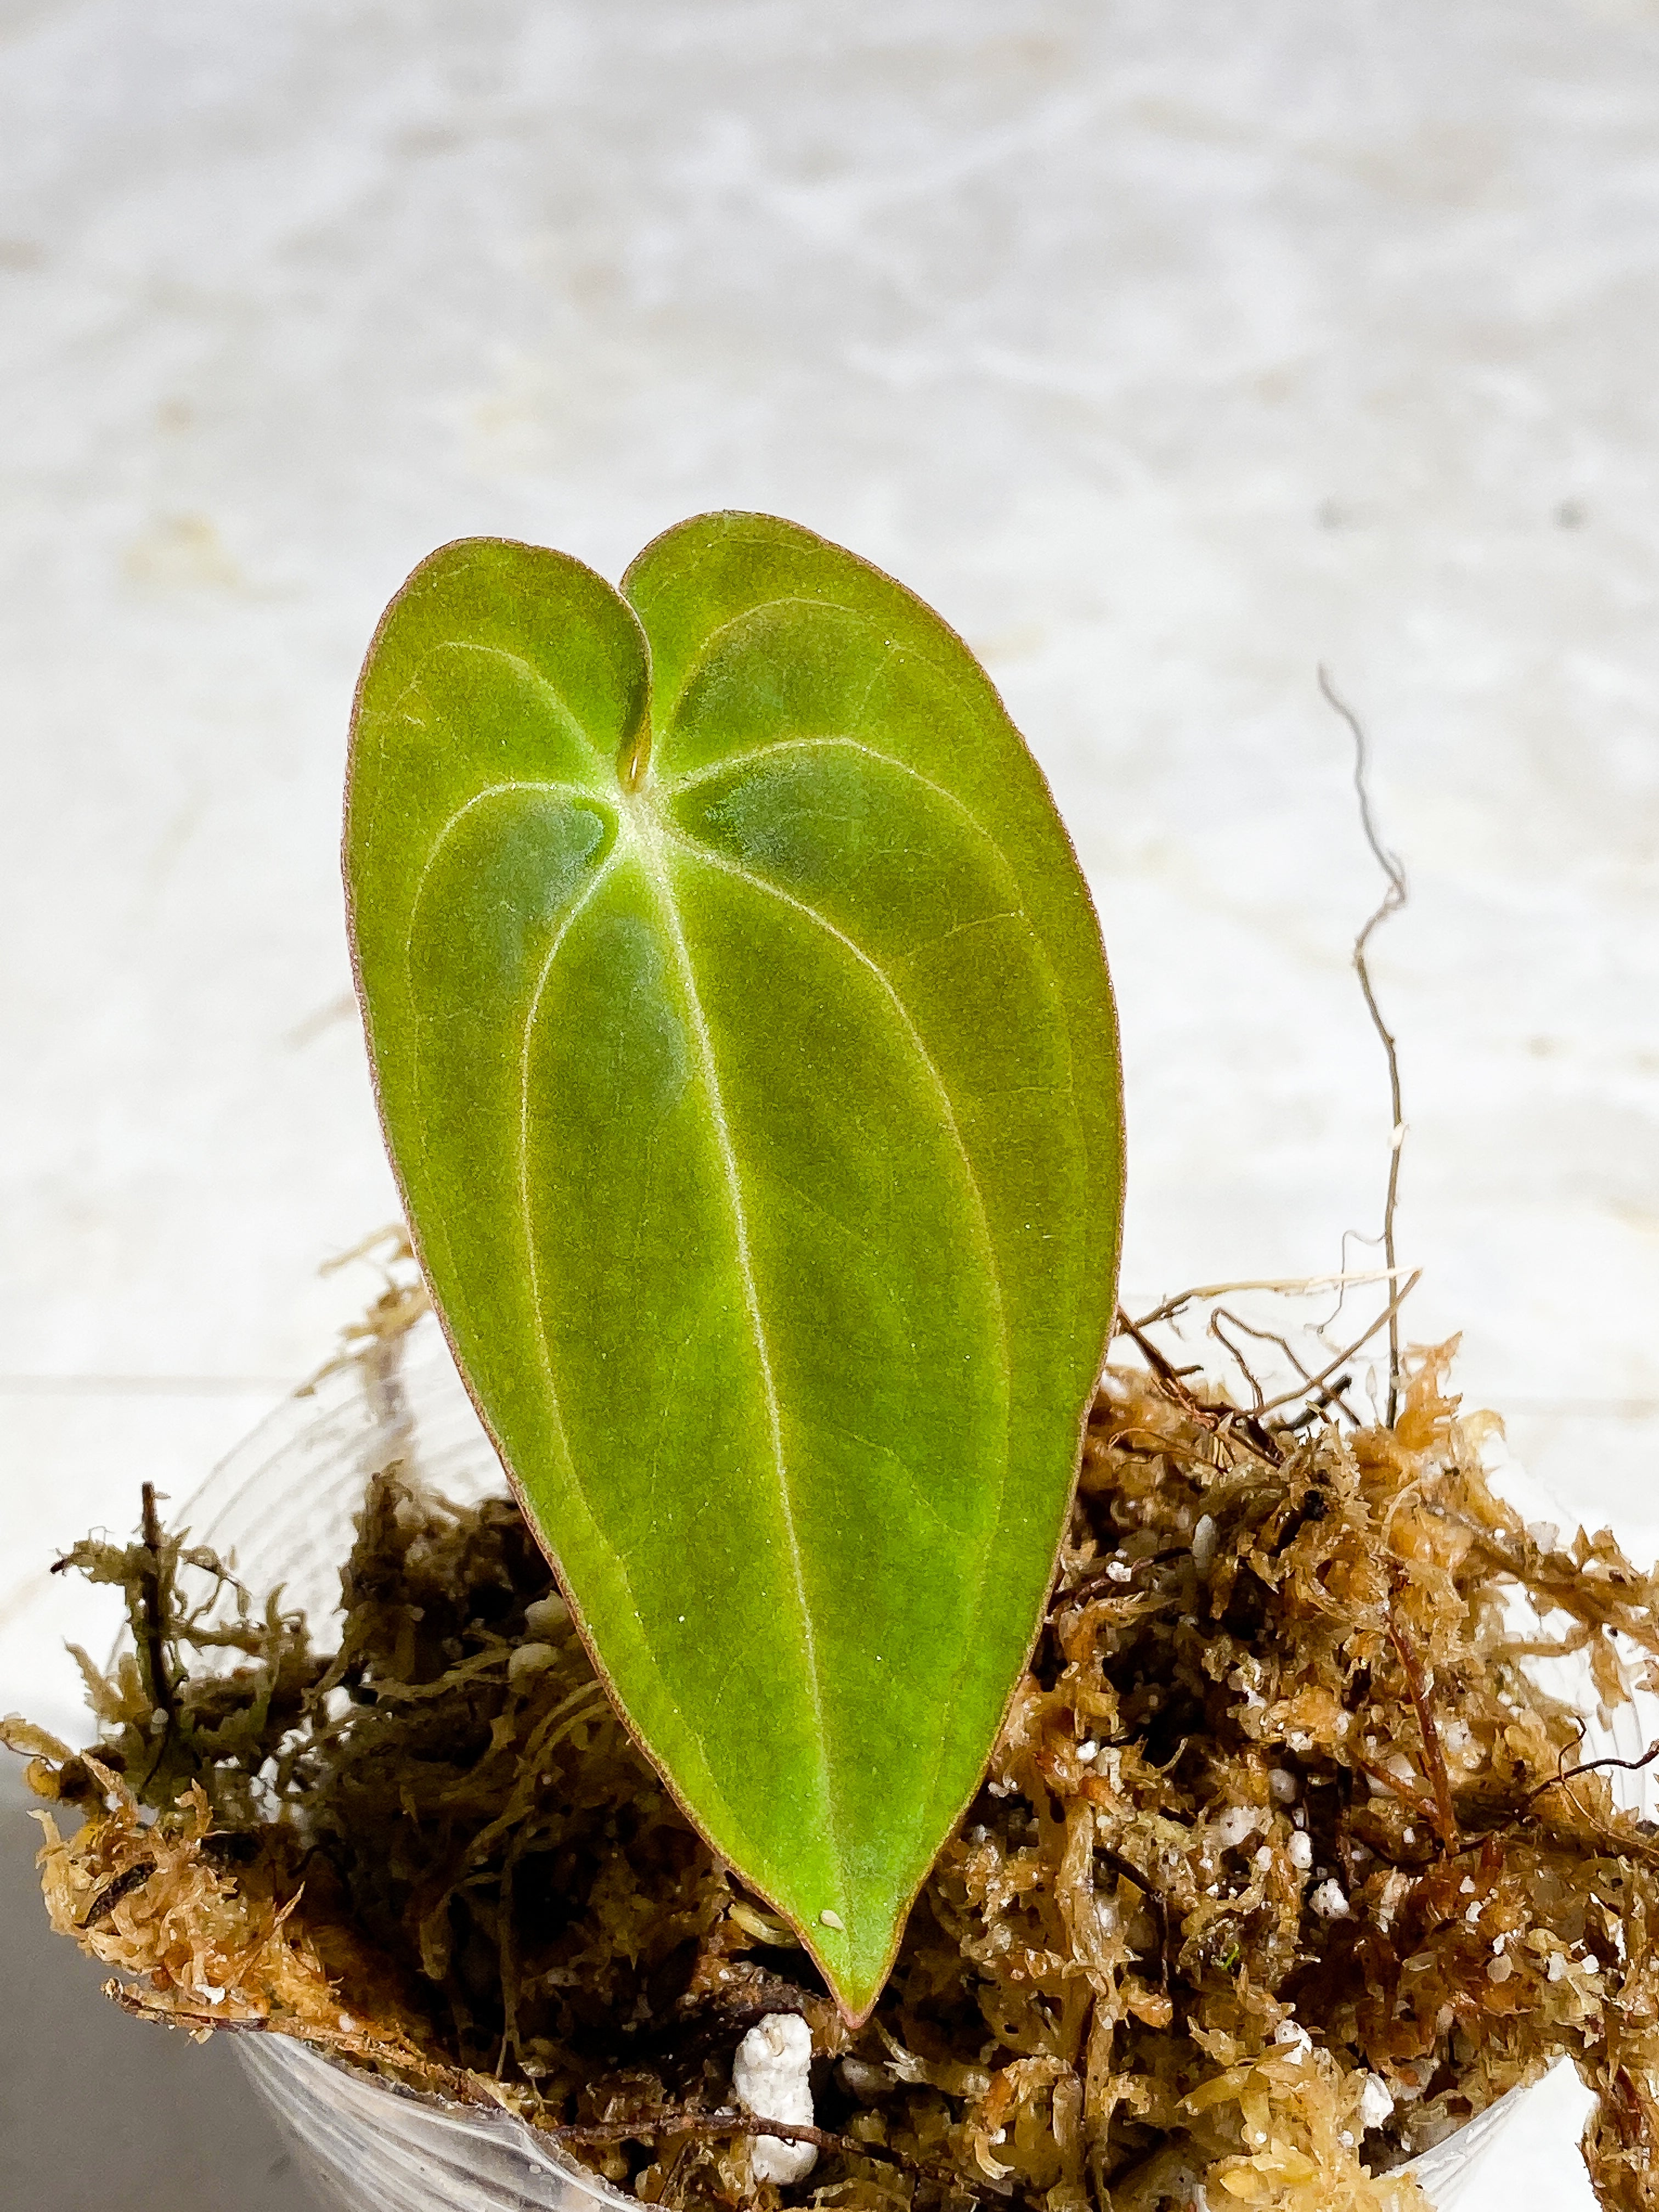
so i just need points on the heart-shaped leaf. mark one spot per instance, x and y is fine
(746, 1055)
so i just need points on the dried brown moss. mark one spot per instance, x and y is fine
(1274, 1878)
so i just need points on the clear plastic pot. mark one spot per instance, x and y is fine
(366, 2145)
(283, 1503)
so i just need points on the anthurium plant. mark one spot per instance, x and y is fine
(746, 1056)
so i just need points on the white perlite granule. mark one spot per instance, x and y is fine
(528, 1659)
(1375, 2102)
(770, 2076)
(546, 1614)
(1238, 1824)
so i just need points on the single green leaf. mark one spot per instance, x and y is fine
(746, 1055)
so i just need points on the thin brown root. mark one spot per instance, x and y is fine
(1434, 1758)
(1394, 897)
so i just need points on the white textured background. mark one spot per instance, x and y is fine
(1168, 347)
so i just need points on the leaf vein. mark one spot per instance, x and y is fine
(525, 668)
(693, 776)
(531, 1010)
(775, 890)
(453, 822)
(771, 889)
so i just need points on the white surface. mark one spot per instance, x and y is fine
(1168, 349)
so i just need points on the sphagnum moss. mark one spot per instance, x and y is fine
(1282, 1868)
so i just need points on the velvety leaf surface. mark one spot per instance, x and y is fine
(759, 1127)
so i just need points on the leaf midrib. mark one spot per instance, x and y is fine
(654, 858)
(800, 905)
